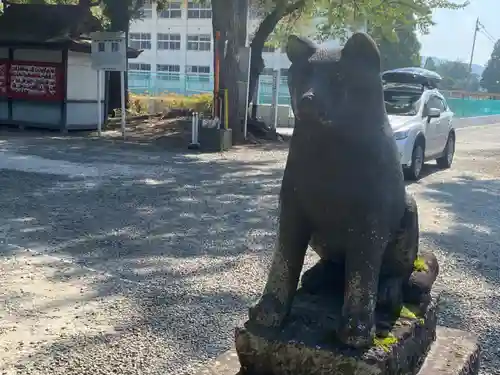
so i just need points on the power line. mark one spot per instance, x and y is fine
(487, 37)
(485, 32)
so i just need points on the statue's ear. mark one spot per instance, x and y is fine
(361, 47)
(299, 48)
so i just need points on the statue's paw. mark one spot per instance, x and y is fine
(268, 312)
(357, 333)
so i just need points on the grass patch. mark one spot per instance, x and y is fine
(419, 265)
(144, 104)
(386, 342)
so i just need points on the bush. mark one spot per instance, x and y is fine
(144, 104)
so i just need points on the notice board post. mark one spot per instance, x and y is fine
(109, 53)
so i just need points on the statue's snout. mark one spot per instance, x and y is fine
(307, 104)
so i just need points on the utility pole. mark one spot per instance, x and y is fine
(476, 29)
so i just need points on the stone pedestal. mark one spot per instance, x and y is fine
(307, 345)
(454, 352)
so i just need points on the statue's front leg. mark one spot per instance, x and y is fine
(293, 239)
(361, 283)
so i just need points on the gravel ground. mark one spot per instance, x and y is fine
(125, 259)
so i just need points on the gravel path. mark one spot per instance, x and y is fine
(124, 259)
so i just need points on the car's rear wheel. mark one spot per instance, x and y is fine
(445, 161)
(414, 171)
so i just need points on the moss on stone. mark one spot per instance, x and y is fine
(409, 312)
(386, 342)
(419, 265)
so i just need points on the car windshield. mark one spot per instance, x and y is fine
(401, 103)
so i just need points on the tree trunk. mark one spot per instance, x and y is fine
(119, 18)
(263, 32)
(225, 20)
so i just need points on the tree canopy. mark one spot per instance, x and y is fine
(491, 75)
(403, 50)
(456, 76)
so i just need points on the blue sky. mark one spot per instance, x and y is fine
(451, 37)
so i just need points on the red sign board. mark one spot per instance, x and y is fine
(35, 80)
(31, 80)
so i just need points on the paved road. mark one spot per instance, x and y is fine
(123, 257)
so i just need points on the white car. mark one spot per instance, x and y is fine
(420, 118)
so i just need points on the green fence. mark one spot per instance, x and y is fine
(158, 83)
(474, 107)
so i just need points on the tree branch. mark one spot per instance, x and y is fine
(269, 23)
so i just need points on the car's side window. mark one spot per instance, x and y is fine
(432, 102)
(444, 106)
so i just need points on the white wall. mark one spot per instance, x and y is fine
(82, 80)
(82, 107)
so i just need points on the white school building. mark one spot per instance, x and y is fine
(178, 52)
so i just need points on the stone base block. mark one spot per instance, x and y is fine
(307, 345)
(215, 140)
(454, 352)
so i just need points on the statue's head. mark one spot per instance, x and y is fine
(328, 84)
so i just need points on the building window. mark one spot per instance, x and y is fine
(200, 9)
(201, 42)
(168, 72)
(284, 72)
(172, 10)
(140, 40)
(199, 73)
(139, 66)
(169, 41)
(146, 8)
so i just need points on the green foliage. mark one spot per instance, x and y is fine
(491, 75)
(384, 14)
(333, 18)
(456, 76)
(402, 50)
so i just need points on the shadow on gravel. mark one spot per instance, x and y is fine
(171, 231)
(473, 242)
(474, 237)
(158, 342)
(179, 208)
